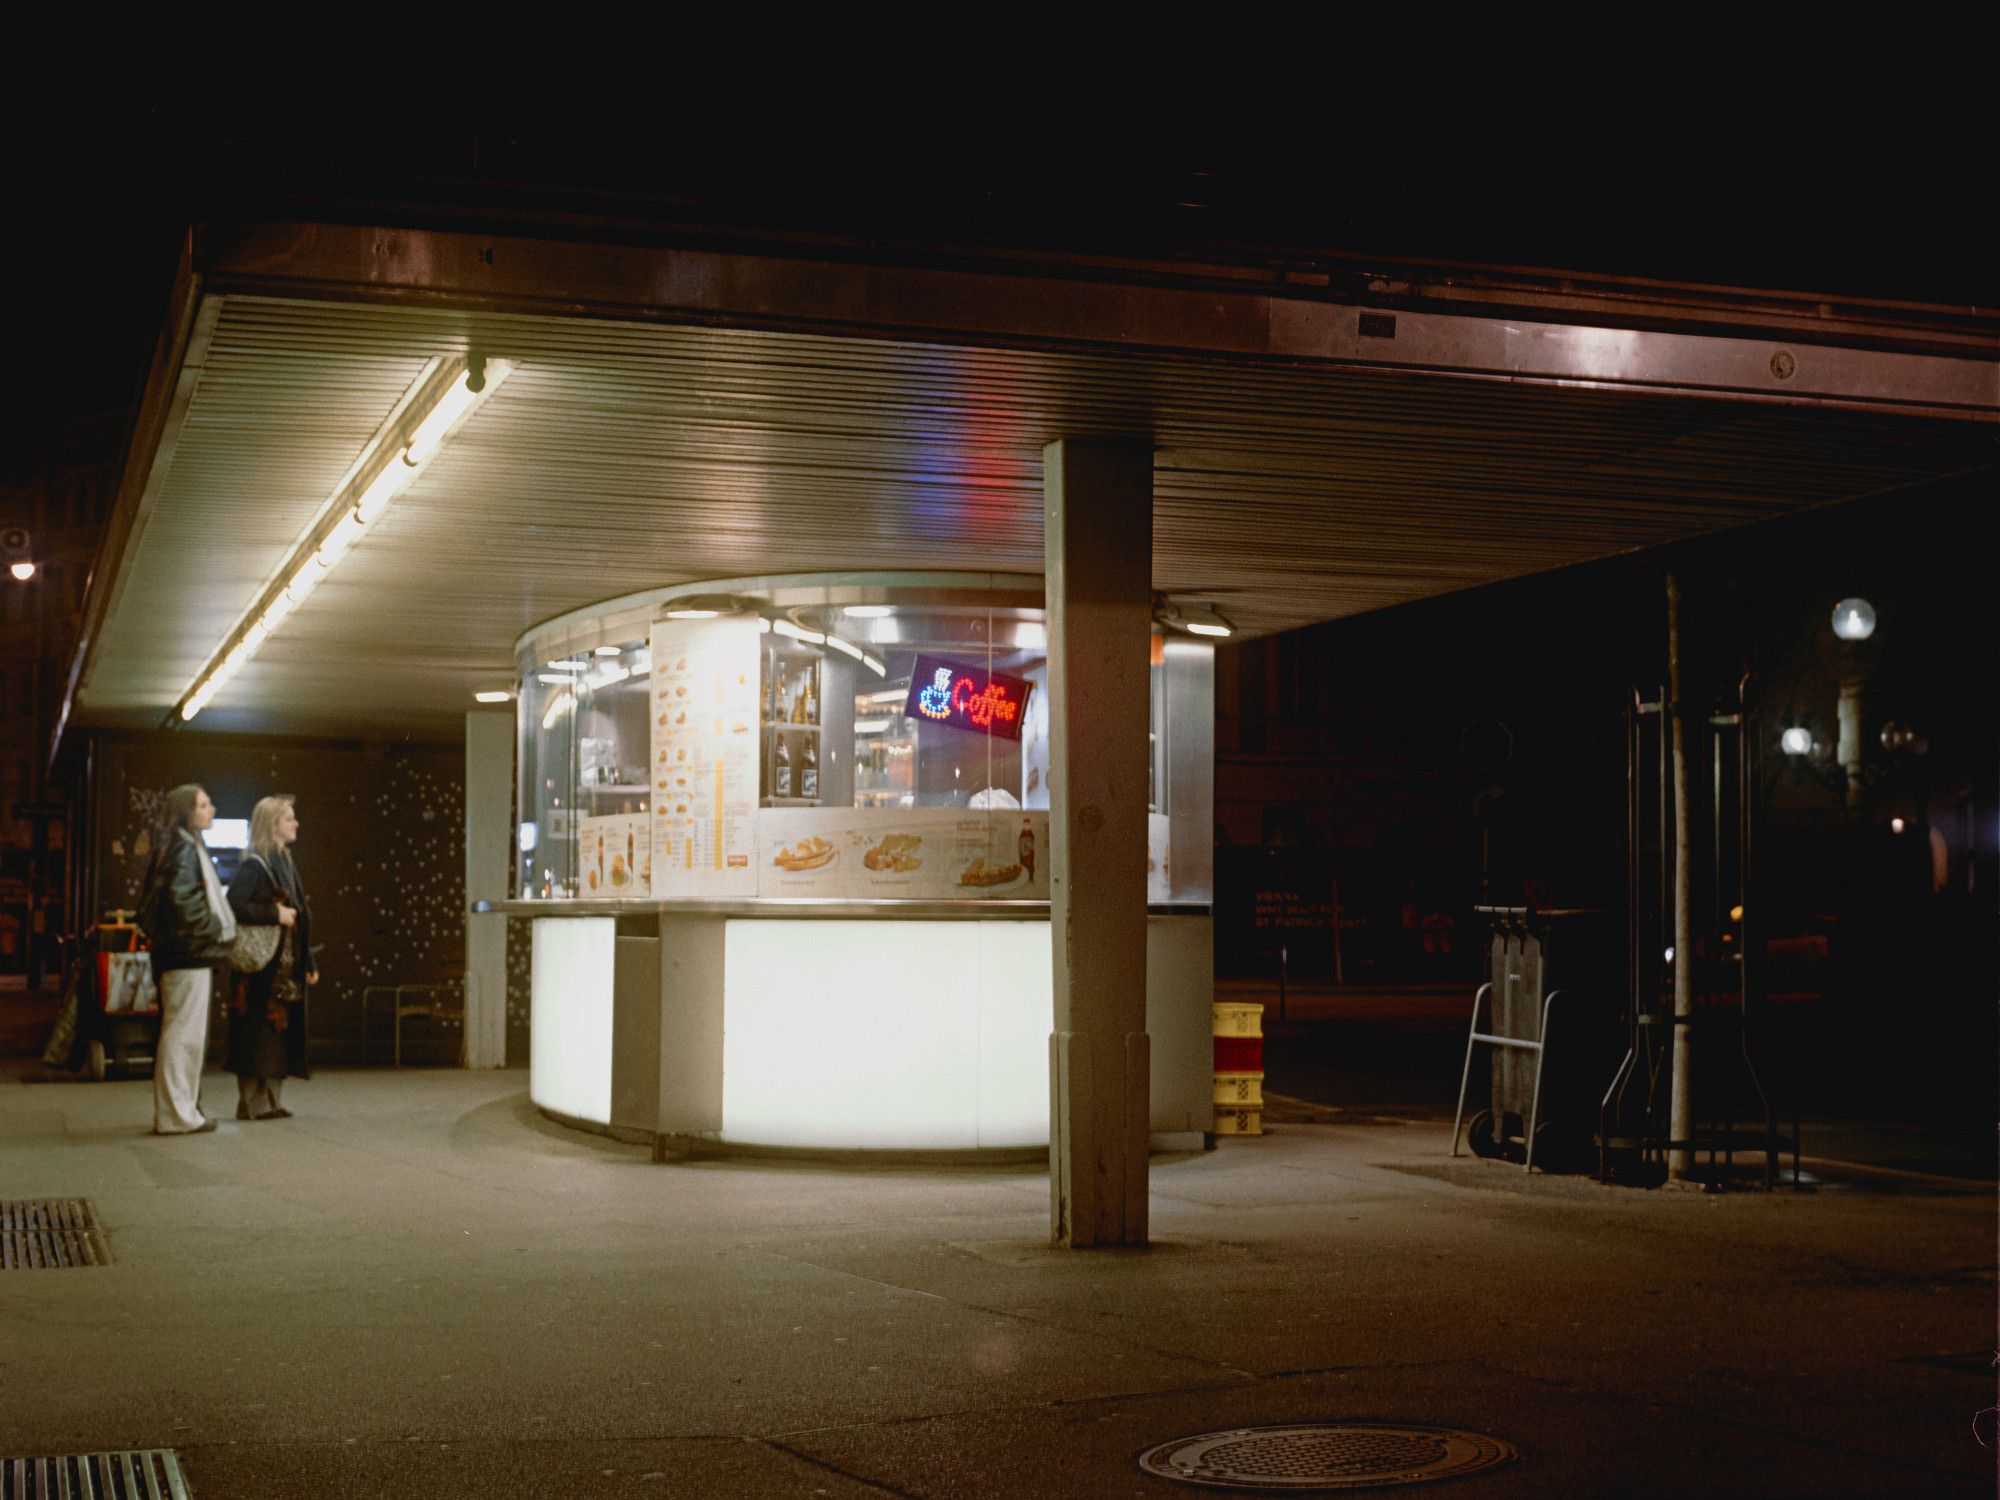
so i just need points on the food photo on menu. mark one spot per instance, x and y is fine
(810, 853)
(898, 853)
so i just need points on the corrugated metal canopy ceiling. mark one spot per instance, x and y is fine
(623, 456)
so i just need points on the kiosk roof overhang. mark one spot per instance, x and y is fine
(675, 414)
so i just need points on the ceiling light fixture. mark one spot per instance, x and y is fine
(1192, 616)
(442, 397)
(491, 697)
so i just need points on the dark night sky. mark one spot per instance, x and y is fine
(1871, 204)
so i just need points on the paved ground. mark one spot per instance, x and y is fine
(418, 1287)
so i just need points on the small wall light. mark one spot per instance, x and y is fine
(1796, 741)
(22, 570)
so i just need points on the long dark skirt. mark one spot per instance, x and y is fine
(258, 1047)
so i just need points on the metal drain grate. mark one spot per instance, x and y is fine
(50, 1234)
(136, 1474)
(1326, 1456)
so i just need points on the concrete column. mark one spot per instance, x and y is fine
(489, 858)
(1098, 504)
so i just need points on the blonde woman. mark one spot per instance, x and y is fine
(191, 929)
(267, 1010)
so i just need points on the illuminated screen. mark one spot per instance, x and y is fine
(227, 833)
(963, 696)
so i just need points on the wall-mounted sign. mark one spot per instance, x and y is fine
(967, 697)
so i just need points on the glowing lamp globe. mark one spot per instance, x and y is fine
(1854, 619)
(1795, 741)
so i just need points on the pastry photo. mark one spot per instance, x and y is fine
(896, 852)
(981, 874)
(808, 854)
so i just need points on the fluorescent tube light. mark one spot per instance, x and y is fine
(409, 440)
(567, 666)
(491, 697)
(607, 651)
(798, 633)
(381, 490)
(1202, 627)
(456, 403)
(873, 665)
(839, 645)
(336, 542)
(868, 611)
(692, 614)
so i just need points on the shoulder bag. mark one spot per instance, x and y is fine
(256, 946)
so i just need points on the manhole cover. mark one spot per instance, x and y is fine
(1325, 1456)
(49, 1234)
(136, 1474)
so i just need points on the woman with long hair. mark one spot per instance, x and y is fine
(267, 1011)
(191, 928)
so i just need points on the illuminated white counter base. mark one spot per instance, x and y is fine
(569, 1035)
(833, 1033)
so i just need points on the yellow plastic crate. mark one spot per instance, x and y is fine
(1238, 1018)
(1239, 1122)
(1237, 1090)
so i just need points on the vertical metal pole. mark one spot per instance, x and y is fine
(489, 854)
(1680, 1126)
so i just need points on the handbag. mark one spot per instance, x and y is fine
(256, 946)
(129, 989)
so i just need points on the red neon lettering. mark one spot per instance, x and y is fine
(983, 707)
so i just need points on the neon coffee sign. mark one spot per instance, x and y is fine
(967, 697)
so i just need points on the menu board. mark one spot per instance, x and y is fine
(914, 853)
(703, 766)
(614, 855)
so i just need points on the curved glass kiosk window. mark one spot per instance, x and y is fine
(807, 820)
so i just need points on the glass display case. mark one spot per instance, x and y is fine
(743, 804)
(851, 736)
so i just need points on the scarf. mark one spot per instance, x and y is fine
(211, 885)
(284, 990)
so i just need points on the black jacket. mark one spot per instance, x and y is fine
(254, 893)
(185, 931)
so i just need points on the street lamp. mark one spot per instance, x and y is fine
(17, 551)
(1853, 622)
(1854, 619)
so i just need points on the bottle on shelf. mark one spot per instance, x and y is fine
(781, 770)
(809, 767)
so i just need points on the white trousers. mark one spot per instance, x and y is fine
(184, 1004)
